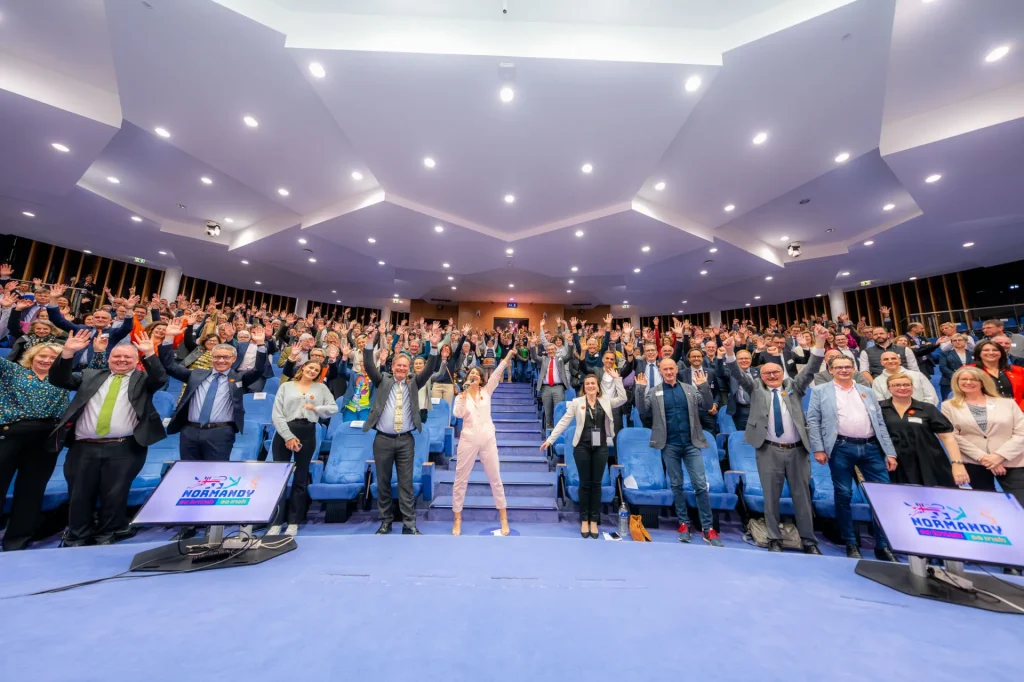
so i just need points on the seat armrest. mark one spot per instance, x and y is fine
(427, 481)
(371, 467)
(733, 479)
(449, 442)
(316, 471)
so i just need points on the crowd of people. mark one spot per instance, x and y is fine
(873, 409)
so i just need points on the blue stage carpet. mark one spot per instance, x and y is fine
(480, 608)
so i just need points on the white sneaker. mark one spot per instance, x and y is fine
(273, 530)
(292, 529)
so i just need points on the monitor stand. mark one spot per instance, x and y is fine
(918, 580)
(213, 551)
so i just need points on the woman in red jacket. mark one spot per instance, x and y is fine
(1009, 379)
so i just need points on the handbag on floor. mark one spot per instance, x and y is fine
(637, 530)
(757, 532)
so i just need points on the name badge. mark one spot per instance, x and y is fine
(595, 437)
(167, 422)
(915, 420)
(259, 396)
(435, 401)
(355, 425)
(792, 362)
(659, 393)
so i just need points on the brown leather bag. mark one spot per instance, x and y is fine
(637, 530)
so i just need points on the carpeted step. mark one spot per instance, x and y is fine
(516, 418)
(514, 409)
(516, 483)
(517, 427)
(513, 400)
(481, 508)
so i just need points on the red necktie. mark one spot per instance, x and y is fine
(551, 372)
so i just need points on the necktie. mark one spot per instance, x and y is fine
(551, 371)
(107, 409)
(777, 408)
(206, 411)
(650, 374)
(399, 423)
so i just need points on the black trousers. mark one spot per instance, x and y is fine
(590, 462)
(103, 474)
(24, 449)
(206, 445)
(305, 431)
(390, 452)
(983, 479)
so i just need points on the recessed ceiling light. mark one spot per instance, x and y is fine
(844, 274)
(568, 291)
(250, 121)
(934, 177)
(645, 248)
(283, 192)
(768, 278)
(784, 238)
(229, 220)
(114, 180)
(396, 296)
(692, 84)
(429, 162)
(338, 301)
(245, 262)
(572, 281)
(450, 278)
(868, 243)
(913, 278)
(703, 272)
(334, 291)
(302, 240)
(817, 294)
(713, 250)
(968, 245)
(511, 286)
(511, 299)
(453, 288)
(574, 269)
(729, 208)
(59, 147)
(587, 168)
(760, 138)
(507, 94)
(162, 132)
(636, 269)
(205, 180)
(625, 302)
(888, 207)
(659, 186)
(317, 69)
(509, 252)
(748, 305)
(510, 199)
(162, 253)
(86, 251)
(380, 262)
(580, 233)
(258, 282)
(356, 175)
(446, 265)
(684, 302)
(843, 157)
(28, 213)
(757, 298)
(312, 260)
(136, 218)
(997, 54)
(371, 240)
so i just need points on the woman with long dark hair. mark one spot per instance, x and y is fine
(991, 358)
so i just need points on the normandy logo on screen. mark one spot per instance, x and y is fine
(955, 523)
(218, 490)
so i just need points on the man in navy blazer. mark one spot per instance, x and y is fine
(846, 429)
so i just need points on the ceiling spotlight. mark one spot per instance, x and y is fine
(283, 192)
(768, 278)
(997, 54)
(114, 180)
(684, 302)
(511, 286)
(446, 265)
(205, 180)
(760, 138)
(568, 291)
(693, 84)
(258, 282)
(334, 291)
(934, 177)
(317, 69)
(729, 208)
(660, 186)
(250, 121)
(757, 298)
(509, 251)
(868, 243)
(229, 220)
(371, 240)
(703, 272)
(510, 199)
(302, 240)
(429, 162)
(713, 250)
(356, 175)
(396, 296)
(572, 281)
(245, 262)
(888, 207)
(380, 262)
(844, 274)
(913, 278)
(59, 147)
(587, 168)
(28, 213)
(507, 94)
(86, 251)
(511, 299)
(453, 288)
(136, 219)
(625, 303)
(636, 270)
(580, 233)
(450, 278)
(338, 301)
(438, 228)
(312, 260)
(968, 245)
(748, 305)
(574, 269)
(784, 238)
(645, 248)
(162, 253)
(843, 157)
(162, 132)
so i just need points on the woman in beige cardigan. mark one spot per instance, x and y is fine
(595, 431)
(989, 430)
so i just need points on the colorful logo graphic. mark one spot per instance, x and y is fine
(953, 523)
(219, 490)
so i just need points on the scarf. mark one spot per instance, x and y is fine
(360, 395)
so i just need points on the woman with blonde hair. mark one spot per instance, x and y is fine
(989, 431)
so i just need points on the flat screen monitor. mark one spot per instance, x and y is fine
(950, 523)
(216, 494)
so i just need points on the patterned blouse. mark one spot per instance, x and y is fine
(23, 395)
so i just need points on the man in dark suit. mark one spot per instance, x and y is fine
(952, 360)
(394, 415)
(777, 429)
(775, 351)
(922, 349)
(247, 358)
(738, 406)
(697, 362)
(108, 428)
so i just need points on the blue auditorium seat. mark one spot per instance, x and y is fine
(248, 443)
(726, 426)
(559, 446)
(343, 479)
(422, 471)
(173, 387)
(271, 385)
(258, 411)
(164, 403)
(570, 395)
(721, 490)
(572, 474)
(743, 460)
(439, 428)
(822, 495)
(639, 460)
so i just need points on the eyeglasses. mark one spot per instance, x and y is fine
(223, 357)
(770, 374)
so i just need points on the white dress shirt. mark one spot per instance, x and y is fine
(789, 433)
(123, 420)
(851, 412)
(923, 390)
(249, 360)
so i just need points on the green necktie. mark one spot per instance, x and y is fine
(107, 411)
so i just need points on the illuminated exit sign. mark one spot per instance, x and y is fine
(140, 260)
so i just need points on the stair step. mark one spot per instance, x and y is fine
(487, 502)
(516, 483)
(513, 409)
(518, 427)
(496, 400)
(513, 418)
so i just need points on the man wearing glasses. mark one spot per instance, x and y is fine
(777, 430)
(847, 430)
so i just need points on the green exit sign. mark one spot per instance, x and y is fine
(140, 260)
(866, 283)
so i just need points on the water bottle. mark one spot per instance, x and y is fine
(623, 520)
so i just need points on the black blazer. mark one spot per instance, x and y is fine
(383, 382)
(686, 377)
(193, 378)
(141, 388)
(949, 362)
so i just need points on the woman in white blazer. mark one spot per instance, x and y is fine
(595, 431)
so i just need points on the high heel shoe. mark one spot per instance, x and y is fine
(585, 531)
(594, 534)
(457, 525)
(503, 517)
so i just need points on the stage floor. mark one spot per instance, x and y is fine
(482, 608)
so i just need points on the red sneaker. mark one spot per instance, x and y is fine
(711, 537)
(684, 533)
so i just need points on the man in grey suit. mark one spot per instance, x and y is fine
(777, 430)
(673, 410)
(825, 375)
(552, 374)
(395, 413)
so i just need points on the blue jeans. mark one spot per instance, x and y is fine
(871, 461)
(675, 457)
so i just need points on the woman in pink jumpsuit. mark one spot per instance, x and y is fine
(473, 406)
